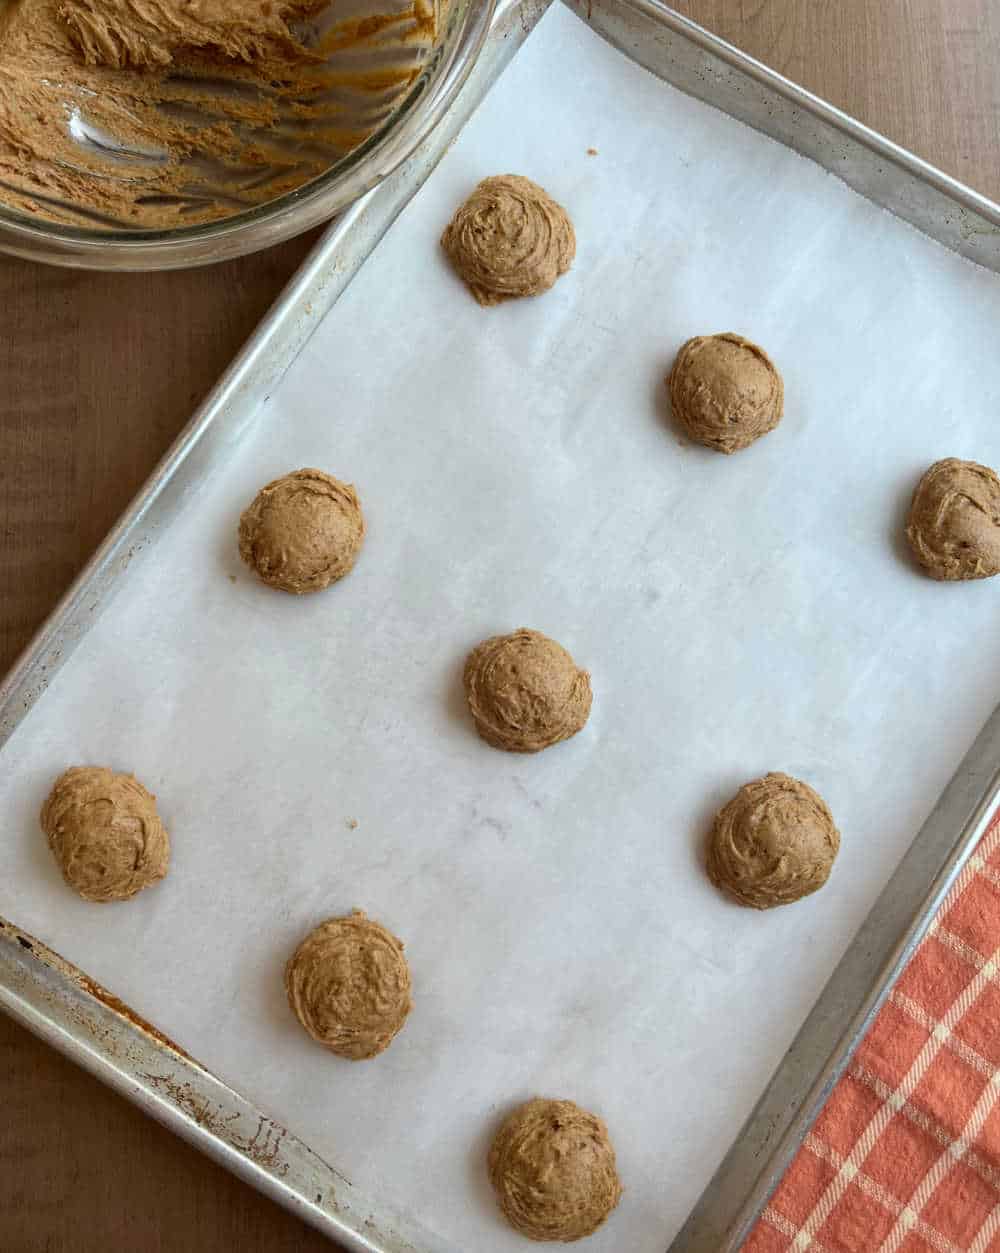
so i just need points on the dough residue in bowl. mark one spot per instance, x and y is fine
(126, 114)
(127, 34)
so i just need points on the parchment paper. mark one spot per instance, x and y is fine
(517, 467)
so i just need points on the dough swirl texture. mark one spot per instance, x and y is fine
(725, 391)
(509, 239)
(105, 833)
(553, 1169)
(773, 843)
(150, 34)
(302, 532)
(348, 984)
(954, 524)
(525, 691)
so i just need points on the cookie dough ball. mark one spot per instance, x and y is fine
(349, 986)
(302, 532)
(509, 239)
(725, 391)
(773, 843)
(553, 1169)
(105, 833)
(954, 526)
(525, 691)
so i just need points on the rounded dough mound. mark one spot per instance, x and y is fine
(954, 525)
(553, 1169)
(509, 239)
(105, 833)
(525, 691)
(302, 532)
(349, 986)
(774, 843)
(725, 391)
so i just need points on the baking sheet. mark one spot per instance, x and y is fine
(516, 467)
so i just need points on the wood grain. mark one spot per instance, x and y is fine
(101, 372)
(924, 72)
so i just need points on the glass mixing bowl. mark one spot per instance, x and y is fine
(461, 29)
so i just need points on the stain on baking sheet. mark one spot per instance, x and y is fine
(255, 1136)
(119, 1007)
(52, 959)
(262, 1146)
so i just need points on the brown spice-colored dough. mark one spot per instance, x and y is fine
(725, 391)
(525, 691)
(303, 531)
(954, 526)
(143, 72)
(509, 239)
(105, 833)
(218, 89)
(553, 1169)
(349, 986)
(149, 34)
(774, 843)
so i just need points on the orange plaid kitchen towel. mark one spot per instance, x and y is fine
(905, 1157)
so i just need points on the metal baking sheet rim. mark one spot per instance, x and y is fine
(63, 1006)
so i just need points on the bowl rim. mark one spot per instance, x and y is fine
(357, 172)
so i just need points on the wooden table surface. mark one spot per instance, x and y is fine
(102, 371)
